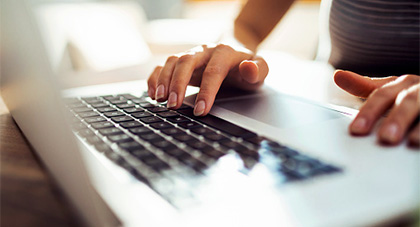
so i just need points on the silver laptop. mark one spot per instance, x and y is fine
(259, 159)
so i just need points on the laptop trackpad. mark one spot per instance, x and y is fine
(278, 110)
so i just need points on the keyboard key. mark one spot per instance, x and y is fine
(158, 109)
(110, 131)
(76, 105)
(149, 120)
(172, 131)
(161, 125)
(106, 109)
(156, 163)
(151, 137)
(133, 110)
(88, 114)
(201, 130)
(131, 146)
(111, 155)
(119, 138)
(184, 137)
(126, 105)
(99, 104)
(164, 145)
(85, 133)
(168, 114)
(121, 119)
(131, 124)
(219, 124)
(103, 147)
(142, 153)
(189, 125)
(113, 114)
(213, 153)
(201, 146)
(118, 101)
(147, 105)
(94, 119)
(140, 130)
(141, 115)
(178, 119)
(104, 124)
(94, 140)
(82, 109)
(215, 137)
(177, 153)
(192, 162)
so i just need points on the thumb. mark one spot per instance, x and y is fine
(359, 85)
(253, 71)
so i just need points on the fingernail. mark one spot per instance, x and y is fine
(359, 126)
(160, 92)
(199, 108)
(391, 133)
(172, 100)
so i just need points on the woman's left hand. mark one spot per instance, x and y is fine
(398, 95)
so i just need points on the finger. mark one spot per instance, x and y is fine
(401, 117)
(252, 73)
(182, 75)
(151, 82)
(378, 103)
(414, 137)
(358, 85)
(165, 78)
(223, 59)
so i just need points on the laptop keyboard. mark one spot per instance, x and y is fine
(150, 141)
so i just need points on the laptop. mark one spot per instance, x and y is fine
(258, 159)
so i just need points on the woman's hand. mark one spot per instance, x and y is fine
(398, 95)
(207, 67)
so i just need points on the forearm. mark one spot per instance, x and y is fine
(257, 19)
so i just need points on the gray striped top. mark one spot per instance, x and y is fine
(375, 37)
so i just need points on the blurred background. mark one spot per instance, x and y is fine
(89, 41)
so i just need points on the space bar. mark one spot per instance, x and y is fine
(219, 124)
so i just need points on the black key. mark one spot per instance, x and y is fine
(149, 120)
(104, 124)
(233, 145)
(103, 147)
(164, 145)
(158, 109)
(201, 146)
(126, 105)
(127, 96)
(94, 140)
(133, 110)
(106, 109)
(113, 156)
(201, 130)
(192, 162)
(111, 97)
(118, 101)
(184, 137)
(88, 114)
(121, 119)
(142, 153)
(147, 105)
(257, 140)
(219, 124)
(99, 104)
(140, 130)
(215, 137)
(94, 119)
(110, 131)
(139, 100)
(168, 114)
(81, 109)
(189, 125)
(178, 119)
(131, 124)
(113, 114)
(141, 115)
(119, 138)
(150, 137)
(176, 152)
(131, 146)
(156, 163)
(183, 106)
(161, 125)
(172, 131)
(213, 153)
(85, 133)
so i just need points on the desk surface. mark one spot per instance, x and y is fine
(28, 195)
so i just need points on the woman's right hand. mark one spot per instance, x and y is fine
(207, 67)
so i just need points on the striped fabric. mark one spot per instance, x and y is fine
(375, 37)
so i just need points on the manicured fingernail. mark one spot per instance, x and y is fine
(160, 92)
(359, 126)
(172, 100)
(199, 108)
(391, 133)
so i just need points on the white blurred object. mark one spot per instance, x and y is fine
(97, 36)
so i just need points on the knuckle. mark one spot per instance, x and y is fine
(212, 70)
(410, 78)
(185, 58)
(172, 59)
(412, 96)
(383, 92)
(223, 47)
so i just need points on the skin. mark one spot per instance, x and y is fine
(214, 66)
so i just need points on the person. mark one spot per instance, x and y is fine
(368, 38)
